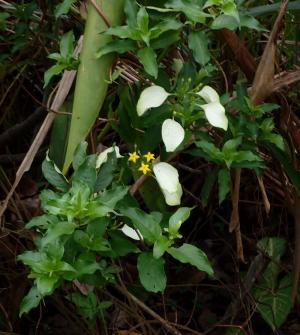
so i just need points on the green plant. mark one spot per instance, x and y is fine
(172, 113)
(80, 232)
(273, 293)
(64, 59)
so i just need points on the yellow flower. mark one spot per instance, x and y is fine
(149, 156)
(144, 168)
(133, 157)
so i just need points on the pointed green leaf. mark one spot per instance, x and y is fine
(275, 305)
(79, 155)
(30, 301)
(54, 176)
(119, 46)
(66, 44)
(176, 220)
(147, 224)
(188, 253)
(63, 8)
(143, 20)
(224, 182)
(130, 9)
(198, 43)
(151, 272)
(148, 58)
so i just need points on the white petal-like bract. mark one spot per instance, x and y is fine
(130, 232)
(102, 158)
(168, 180)
(215, 114)
(172, 134)
(153, 96)
(209, 94)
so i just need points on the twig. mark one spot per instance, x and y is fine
(235, 218)
(163, 322)
(264, 194)
(101, 13)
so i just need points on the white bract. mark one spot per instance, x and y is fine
(130, 232)
(214, 111)
(153, 96)
(172, 134)
(102, 158)
(209, 94)
(215, 114)
(168, 181)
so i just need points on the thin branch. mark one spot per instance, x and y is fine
(157, 317)
(101, 13)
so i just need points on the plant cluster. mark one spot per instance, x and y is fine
(178, 110)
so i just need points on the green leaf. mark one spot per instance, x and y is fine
(106, 173)
(274, 248)
(56, 230)
(66, 44)
(79, 155)
(56, 56)
(231, 146)
(143, 20)
(30, 301)
(192, 10)
(247, 155)
(54, 175)
(164, 26)
(92, 242)
(46, 284)
(125, 32)
(147, 57)
(57, 146)
(208, 185)
(165, 40)
(250, 22)
(229, 8)
(275, 139)
(53, 71)
(209, 151)
(147, 224)
(86, 173)
(40, 221)
(121, 245)
(188, 253)
(224, 182)
(225, 21)
(111, 197)
(119, 46)
(63, 8)
(86, 264)
(130, 9)
(161, 245)
(98, 226)
(91, 89)
(198, 43)
(87, 304)
(176, 220)
(275, 305)
(151, 272)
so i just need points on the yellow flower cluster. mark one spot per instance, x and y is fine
(144, 166)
